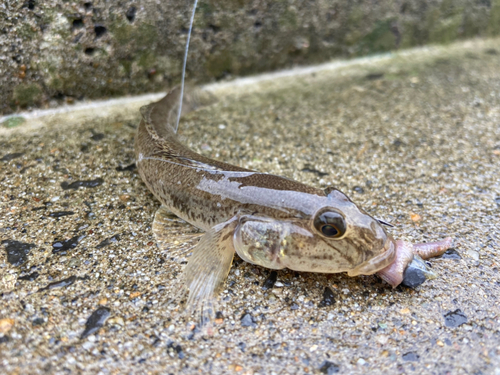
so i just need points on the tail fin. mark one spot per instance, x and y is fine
(162, 114)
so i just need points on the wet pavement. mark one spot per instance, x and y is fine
(413, 138)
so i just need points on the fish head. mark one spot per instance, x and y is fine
(337, 236)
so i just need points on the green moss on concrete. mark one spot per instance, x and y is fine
(356, 17)
(288, 19)
(236, 37)
(473, 23)
(147, 59)
(444, 23)
(13, 122)
(412, 35)
(143, 35)
(205, 8)
(27, 94)
(136, 45)
(26, 31)
(446, 30)
(494, 21)
(381, 39)
(134, 53)
(56, 83)
(232, 5)
(220, 63)
(127, 66)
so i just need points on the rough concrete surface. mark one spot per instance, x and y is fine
(414, 139)
(56, 51)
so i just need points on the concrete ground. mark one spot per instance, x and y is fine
(413, 138)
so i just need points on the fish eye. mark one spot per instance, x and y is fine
(329, 230)
(330, 224)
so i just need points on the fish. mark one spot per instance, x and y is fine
(268, 220)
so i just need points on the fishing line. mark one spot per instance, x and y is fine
(184, 66)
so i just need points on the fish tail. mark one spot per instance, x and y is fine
(162, 115)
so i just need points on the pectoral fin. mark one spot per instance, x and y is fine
(166, 228)
(208, 267)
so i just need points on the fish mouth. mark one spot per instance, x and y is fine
(378, 262)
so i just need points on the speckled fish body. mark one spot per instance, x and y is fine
(268, 220)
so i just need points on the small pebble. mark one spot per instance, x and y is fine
(455, 318)
(108, 241)
(451, 254)
(60, 246)
(117, 320)
(247, 320)
(415, 217)
(30, 277)
(57, 214)
(124, 197)
(6, 325)
(77, 184)
(4, 339)
(9, 157)
(37, 322)
(473, 254)
(74, 262)
(270, 281)
(382, 339)
(61, 283)
(17, 252)
(95, 321)
(87, 345)
(329, 368)
(411, 357)
(328, 298)
(359, 189)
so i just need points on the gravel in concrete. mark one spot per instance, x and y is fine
(415, 140)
